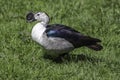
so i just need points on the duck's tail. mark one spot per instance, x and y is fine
(96, 47)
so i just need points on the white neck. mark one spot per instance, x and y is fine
(43, 23)
(44, 19)
(38, 31)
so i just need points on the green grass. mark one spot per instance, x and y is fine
(22, 59)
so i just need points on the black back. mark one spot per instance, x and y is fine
(71, 35)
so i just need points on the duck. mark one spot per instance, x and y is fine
(58, 39)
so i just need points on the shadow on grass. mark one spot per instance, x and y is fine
(75, 58)
(111, 64)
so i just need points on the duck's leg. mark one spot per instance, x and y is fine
(60, 57)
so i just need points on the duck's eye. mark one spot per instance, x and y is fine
(38, 14)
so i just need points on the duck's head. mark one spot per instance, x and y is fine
(40, 16)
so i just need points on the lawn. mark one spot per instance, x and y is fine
(22, 59)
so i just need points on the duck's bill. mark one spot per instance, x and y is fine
(30, 17)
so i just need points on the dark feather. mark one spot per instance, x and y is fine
(96, 47)
(71, 35)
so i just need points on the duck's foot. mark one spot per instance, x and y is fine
(60, 58)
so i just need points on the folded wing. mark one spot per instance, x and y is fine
(73, 36)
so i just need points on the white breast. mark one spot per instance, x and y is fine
(37, 32)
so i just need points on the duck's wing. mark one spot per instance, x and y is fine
(71, 35)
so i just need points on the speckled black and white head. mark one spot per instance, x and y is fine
(40, 16)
